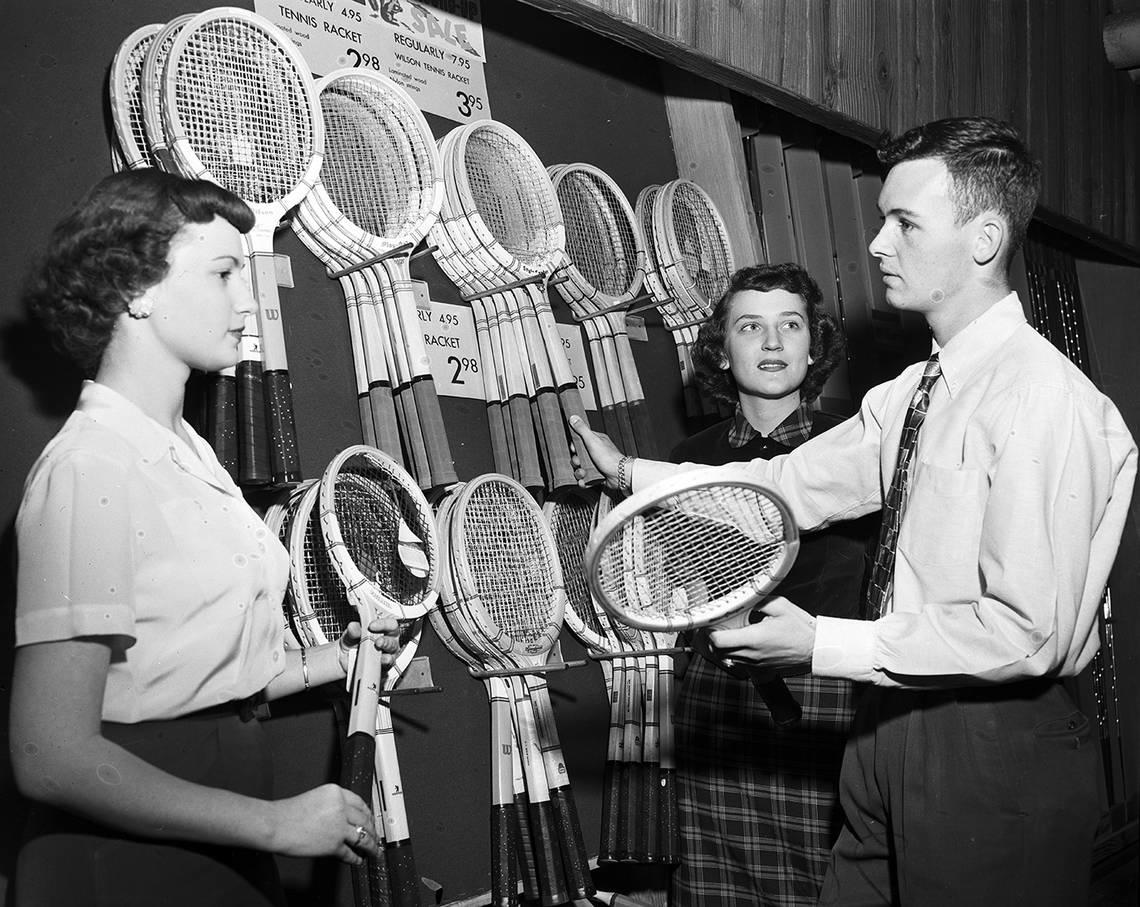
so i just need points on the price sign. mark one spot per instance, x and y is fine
(571, 336)
(449, 337)
(432, 49)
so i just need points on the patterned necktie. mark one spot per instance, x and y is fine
(879, 587)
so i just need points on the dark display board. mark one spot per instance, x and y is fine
(574, 97)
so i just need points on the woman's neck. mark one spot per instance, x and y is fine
(765, 413)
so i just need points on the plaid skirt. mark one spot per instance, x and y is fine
(758, 806)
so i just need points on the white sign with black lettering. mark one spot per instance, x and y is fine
(433, 50)
(449, 336)
(571, 336)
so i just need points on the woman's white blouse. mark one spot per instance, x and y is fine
(126, 533)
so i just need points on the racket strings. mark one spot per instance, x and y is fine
(702, 246)
(570, 523)
(510, 566)
(132, 75)
(242, 105)
(371, 516)
(377, 170)
(600, 237)
(513, 196)
(316, 586)
(683, 558)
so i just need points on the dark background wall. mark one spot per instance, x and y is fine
(574, 99)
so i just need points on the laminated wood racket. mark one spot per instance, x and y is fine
(698, 549)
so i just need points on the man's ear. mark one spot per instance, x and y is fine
(991, 237)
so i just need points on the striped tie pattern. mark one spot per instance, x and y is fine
(883, 571)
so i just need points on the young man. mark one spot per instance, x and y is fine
(969, 777)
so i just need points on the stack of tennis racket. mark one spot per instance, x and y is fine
(639, 801)
(688, 265)
(225, 96)
(379, 193)
(501, 613)
(362, 544)
(499, 237)
(604, 265)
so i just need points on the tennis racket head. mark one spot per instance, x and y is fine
(381, 167)
(124, 87)
(606, 258)
(506, 570)
(278, 517)
(321, 608)
(571, 515)
(507, 195)
(691, 550)
(695, 241)
(380, 533)
(240, 109)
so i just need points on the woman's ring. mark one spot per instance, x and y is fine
(361, 834)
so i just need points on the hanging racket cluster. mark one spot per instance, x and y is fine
(639, 796)
(502, 611)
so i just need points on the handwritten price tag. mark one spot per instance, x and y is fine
(571, 336)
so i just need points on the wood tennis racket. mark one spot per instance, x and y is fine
(698, 549)
(381, 539)
(240, 109)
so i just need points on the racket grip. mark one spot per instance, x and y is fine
(571, 403)
(369, 879)
(222, 420)
(561, 467)
(650, 812)
(253, 440)
(384, 421)
(503, 893)
(524, 848)
(629, 831)
(285, 461)
(669, 849)
(530, 470)
(500, 450)
(440, 460)
(413, 437)
(547, 855)
(611, 797)
(574, 856)
(643, 429)
(782, 705)
(376, 871)
(403, 880)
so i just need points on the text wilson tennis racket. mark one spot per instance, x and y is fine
(698, 549)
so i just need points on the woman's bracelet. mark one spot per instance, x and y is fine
(305, 666)
(625, 480)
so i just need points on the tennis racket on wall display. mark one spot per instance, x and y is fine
(605, 267)
(125, 94)
(381, 539)
(240, 109)
(699, 549)
(379, 194)
(509, 605)
(680, 321)
(505, 215)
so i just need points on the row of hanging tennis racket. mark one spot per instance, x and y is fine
(224, 95)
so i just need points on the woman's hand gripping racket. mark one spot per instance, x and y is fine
(697, 550)
(381, 538)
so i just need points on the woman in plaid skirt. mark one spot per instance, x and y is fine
(758, 804)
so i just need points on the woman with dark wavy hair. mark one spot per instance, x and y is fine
(758, 804)
(148, 611)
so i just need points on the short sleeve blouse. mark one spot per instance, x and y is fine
(126, 533)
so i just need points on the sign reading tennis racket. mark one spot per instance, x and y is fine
(436, 56)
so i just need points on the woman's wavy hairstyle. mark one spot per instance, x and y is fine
(827, 343)
(114, 247)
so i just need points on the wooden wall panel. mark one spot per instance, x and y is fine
(865, 66)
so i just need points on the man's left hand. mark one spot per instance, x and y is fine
(784, 639)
